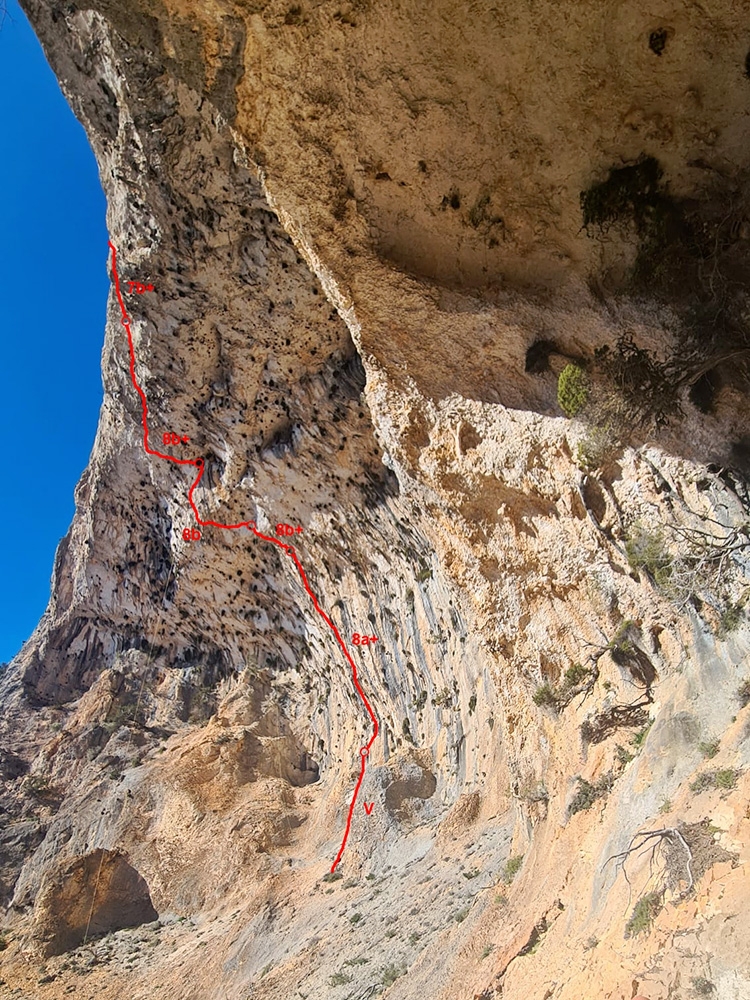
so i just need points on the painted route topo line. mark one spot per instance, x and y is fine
(199, 464)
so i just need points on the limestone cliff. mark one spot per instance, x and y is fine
(380, 236)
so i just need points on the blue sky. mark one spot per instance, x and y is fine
(53, 290)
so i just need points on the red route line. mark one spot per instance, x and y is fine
(289, 549)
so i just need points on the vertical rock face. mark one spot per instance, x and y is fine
(376, 234)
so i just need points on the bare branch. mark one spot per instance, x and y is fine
(652, 840)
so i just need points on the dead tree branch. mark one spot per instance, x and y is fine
(651, 840)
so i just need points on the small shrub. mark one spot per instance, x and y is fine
(703, 987)
(487, 950)
(621, 643)
(332, 877)
(545, 695)
(730, 620)
(574, 675)
(471, 873)
(572, 389)
(646, 550)
(39, 786)
(472, 703)
(743, 692)
(644, 913)
(623, 757)
(391, 973)
(702, 782)
(597, 446)
(501, 899)
(512, 867)
(588, 793)
(460, 915)
(584, 798)
(3, 943)
(639, 389)
(726, 778)
(709, 748)
(665, 806)
(590, 942)
(355, 918)
(339, 979)
(414, 937)
(358, 960)
(640, 737)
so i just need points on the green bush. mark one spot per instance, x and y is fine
(545, 695)
(339, 979)
(644, 913)
(726, 778)
(647, 551)
(512, 868)
(640, 737)
(743, 692)
(588, 793)
(621, 643)
(709, 748)
(572, 389)
(702, 782)
(730, 619)
(575, 675)
(39, 785)
(390, 973)
(623, 756)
